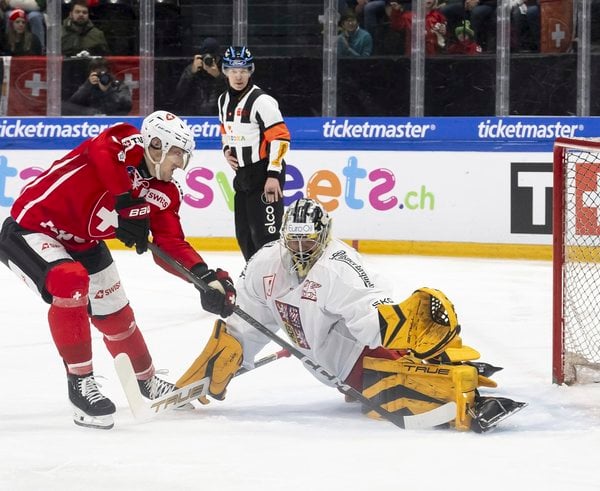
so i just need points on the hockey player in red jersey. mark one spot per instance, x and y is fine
(117, 184)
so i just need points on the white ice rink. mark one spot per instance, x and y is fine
(280, 429)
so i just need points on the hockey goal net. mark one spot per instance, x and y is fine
(576, 261)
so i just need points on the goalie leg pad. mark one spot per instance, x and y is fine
(425, 323)
(220, 360)
(410, 386)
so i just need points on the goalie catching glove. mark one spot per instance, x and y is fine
(219, 298)
(425, 323)
(220, 360)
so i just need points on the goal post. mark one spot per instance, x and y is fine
(576, 261)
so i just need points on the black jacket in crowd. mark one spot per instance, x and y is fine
(197, 93)
(90, 100)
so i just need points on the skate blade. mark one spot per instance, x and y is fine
(185, 407)
(493, 424)
(97, 422)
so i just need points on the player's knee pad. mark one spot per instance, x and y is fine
(117, 325)
(411, 386)
(68, 280)
(220, 360)
(425, 323)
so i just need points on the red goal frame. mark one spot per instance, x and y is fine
(561, 145)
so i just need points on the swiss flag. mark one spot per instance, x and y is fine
(556, 20)
(24, 85)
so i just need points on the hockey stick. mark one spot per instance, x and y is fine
(429, 419)
(147, 410)
(263, 361)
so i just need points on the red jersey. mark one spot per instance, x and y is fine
(74, 200)
(402, 21)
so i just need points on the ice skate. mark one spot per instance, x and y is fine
(155, 387)
(91, 409)
(489, 411)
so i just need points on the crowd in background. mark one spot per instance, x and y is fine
(366, 27)
(384, 27)
(376, 29)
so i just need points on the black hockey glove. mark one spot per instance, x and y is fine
(220, 297)
(134, 224)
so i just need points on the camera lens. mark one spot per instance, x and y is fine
(104, 78)
(209, 60)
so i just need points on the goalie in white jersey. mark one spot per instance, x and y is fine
(407, 357)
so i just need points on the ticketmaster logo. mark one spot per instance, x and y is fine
(19, 128)
(346, 129)
(22, 129)
(500, 129)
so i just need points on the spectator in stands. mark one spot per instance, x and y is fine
(525, 25)
(465, 41)
(371, 14)
(435, 26)
(201, 82)
(353, 40)
(18, 41)
(481, 14)
(79, 35)
(100, 94)
(34, 11)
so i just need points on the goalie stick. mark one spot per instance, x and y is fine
(438, 416)
(144, 410)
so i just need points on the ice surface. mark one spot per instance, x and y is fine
(280, 429)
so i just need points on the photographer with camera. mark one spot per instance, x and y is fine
(100, 94)
(201, 82)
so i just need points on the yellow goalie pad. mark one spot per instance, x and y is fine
(412, 386)
(424, 324)
(220, 360)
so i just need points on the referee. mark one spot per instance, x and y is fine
(255, 141)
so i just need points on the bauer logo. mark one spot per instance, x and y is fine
(531, 198)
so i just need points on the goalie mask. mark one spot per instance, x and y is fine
(306, 230)
(163, 130)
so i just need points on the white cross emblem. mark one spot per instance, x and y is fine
(109, 218)
(36, 84)
(558, 35)
(128, 80)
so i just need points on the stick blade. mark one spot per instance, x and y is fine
(129, 382)
(430, 419)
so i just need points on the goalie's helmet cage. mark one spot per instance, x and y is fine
(171, 131)
(305, 231)
(238, 57)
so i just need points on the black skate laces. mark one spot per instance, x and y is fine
(158, 387)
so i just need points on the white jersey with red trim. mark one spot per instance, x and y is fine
(330, 316)
(73, 201)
